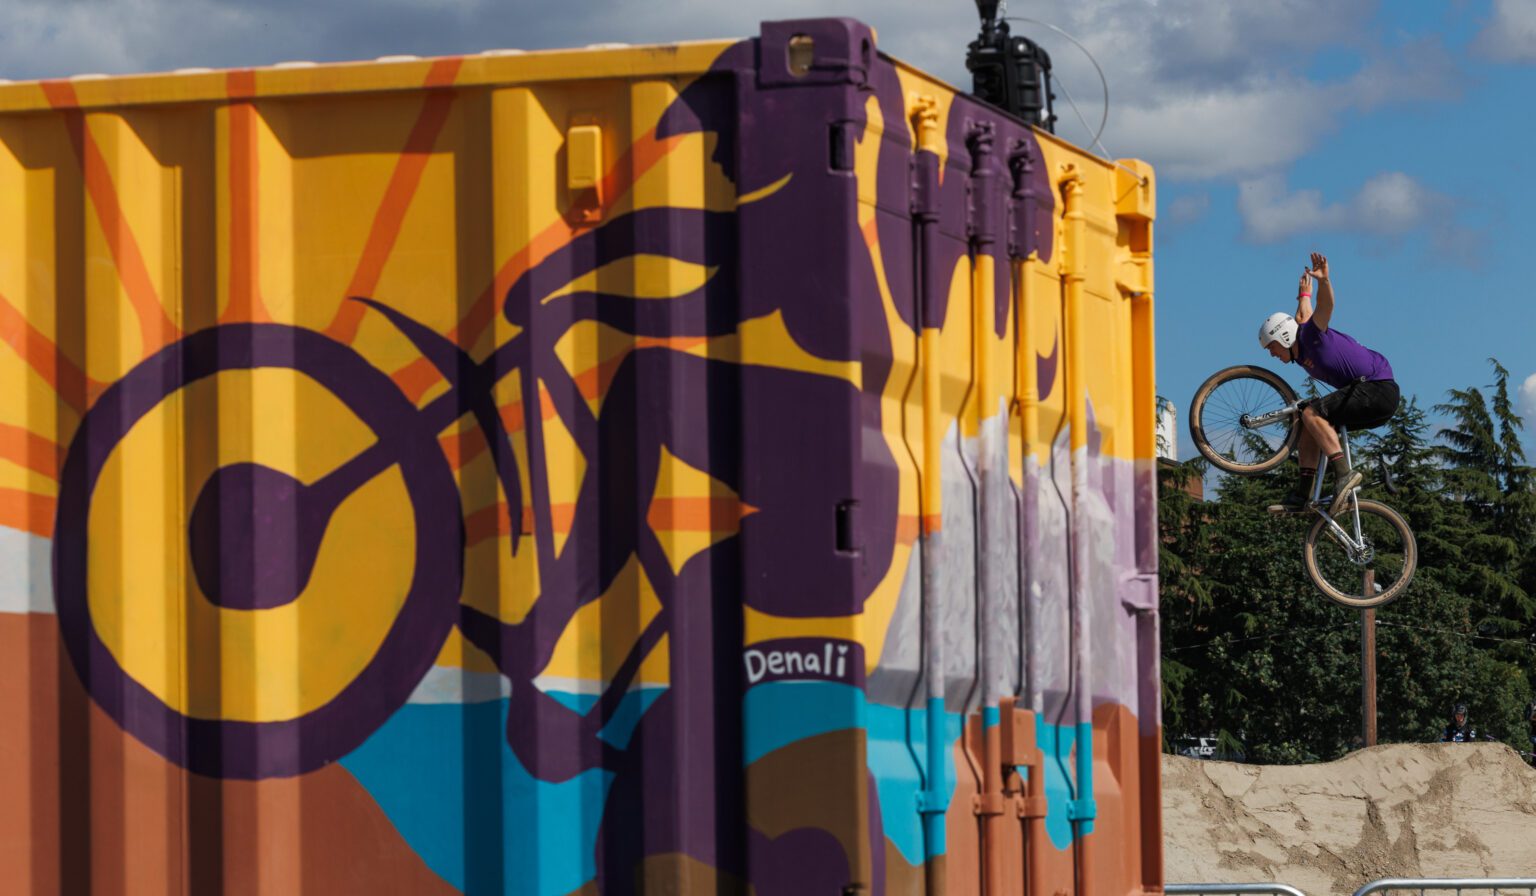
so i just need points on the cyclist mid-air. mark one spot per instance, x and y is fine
(1365, 393)
(1246, 420)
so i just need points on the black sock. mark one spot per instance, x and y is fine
(1307, 475)
(1336, 461)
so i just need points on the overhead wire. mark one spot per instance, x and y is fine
(1469, 635)
(1223, 641)
(1265, 637)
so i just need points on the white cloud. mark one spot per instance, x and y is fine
(1510, 35)
(1270, 214)
(1205, 130)
(1388, 205)
(1210, 89)
(1393, 202)
(1151, 46)
(1201, 88)
(1218, 133)
(1528, 402)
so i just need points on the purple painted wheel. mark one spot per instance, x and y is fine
(257, 578)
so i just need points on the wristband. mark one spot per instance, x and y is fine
(1304, 295)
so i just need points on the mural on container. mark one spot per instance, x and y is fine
(475, 537)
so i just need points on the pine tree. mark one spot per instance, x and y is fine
(1494, 527)
(1512, 471)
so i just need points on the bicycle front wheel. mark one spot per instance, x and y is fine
(1369, 564)
(1223, 402)
(255, 630)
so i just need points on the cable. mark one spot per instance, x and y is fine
(1081, 120)
(1103, 119)
(1289, 631)
(1103, 81)
(1446, 631)
(1433, 631)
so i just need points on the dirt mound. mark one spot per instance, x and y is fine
(1404, 810)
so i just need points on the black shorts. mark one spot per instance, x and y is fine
(1359, 405)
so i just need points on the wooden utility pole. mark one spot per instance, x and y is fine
(1368, 674)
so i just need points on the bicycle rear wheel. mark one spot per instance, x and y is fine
(1374, 572)
(1220, 405)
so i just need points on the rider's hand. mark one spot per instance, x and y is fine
(1319, 266)
(1304, 288)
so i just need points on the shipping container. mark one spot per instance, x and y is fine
(711, 467)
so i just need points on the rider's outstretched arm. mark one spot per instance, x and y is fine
(1319, 273)
(1304, 297)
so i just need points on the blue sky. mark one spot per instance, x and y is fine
(1390, 135)
(1438, 285)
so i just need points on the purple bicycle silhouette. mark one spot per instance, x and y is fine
(237, 570)
(658, 399)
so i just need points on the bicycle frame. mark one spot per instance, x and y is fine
(1272, 417)
(1354, 545)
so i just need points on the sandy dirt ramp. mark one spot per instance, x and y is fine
(1403, 810)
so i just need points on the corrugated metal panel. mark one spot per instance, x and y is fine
(669, 468)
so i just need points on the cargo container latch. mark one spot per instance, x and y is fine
(584, 172)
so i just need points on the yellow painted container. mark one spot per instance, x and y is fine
(665, 468)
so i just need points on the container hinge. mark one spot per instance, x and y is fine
(1024, 205)
(1138, 591)
(1018, 736)
(925, 186)
(1085, 809)
(932, 802)
(981, 199)
(986, 804)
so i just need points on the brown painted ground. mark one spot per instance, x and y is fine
(86, 809)
(1402, 810)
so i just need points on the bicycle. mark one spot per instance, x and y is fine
(239, 569)
(1246, 420)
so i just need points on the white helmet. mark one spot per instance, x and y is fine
(1278, 327)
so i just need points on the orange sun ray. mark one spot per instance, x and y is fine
(398, 194)
(30, 450)
(245, 302)
(68, 380)
(27, 512)
(155, 327)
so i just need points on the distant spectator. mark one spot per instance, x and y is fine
(1458, 732)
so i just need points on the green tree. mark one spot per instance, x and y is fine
(1491, 513)
(1253, 653)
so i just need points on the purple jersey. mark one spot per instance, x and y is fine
(1336, 359)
